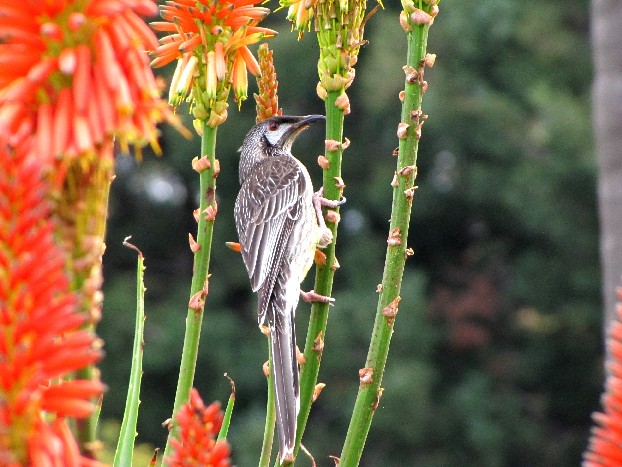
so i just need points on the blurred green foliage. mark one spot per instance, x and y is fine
(495, 359)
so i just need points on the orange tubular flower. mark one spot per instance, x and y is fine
(299, 13)
(605, 446)
(218, 34)
(198, 429)
(74, 73)
(40, 337)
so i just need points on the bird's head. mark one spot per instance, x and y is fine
(273, 136)
(278, 132)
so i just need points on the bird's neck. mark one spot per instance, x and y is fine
(249, 159)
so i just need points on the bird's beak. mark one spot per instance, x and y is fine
(309, 119)
(302, 124)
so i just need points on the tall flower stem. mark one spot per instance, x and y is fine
(409, 133)
(208, 168)
(325, 273)
(268, 432)
(339, 26)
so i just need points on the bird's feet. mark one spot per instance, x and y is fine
(318, 202)
(318, 199)
(311, 296)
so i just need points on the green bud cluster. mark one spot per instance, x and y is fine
(339, 25)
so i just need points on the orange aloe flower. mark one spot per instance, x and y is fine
(605, 446)
(74, 73)
(198, 429)
(210, 39)
(299, 13)
(40, 337)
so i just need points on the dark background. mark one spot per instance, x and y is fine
(496, 355)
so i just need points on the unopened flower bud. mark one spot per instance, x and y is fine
(199, 111)
(333, 83)
(75, 21)
(51, 31)
(408, 6)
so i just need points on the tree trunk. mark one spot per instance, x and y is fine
(607, 117)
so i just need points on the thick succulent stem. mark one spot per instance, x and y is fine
(208, 168)
(268, 433)
(409, 132)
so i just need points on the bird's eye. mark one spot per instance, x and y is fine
(273, 126)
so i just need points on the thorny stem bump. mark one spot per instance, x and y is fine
(198, 293)
(409, 132)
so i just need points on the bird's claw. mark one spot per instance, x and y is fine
(330, 203)
(312, 296)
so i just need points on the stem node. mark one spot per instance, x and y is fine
(366, 376)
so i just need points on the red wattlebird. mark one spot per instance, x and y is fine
(280, 224)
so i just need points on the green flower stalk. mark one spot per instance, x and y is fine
(339, 26)
(210, 42)
(268, 433)
(416, 21)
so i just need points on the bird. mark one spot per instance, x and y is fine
(279, 222)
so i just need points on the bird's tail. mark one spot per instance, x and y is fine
(284, 368)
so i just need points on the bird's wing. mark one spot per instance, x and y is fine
(265, 212)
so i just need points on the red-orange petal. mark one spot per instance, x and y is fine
(251, 62)
(62, 122)
(45, 118)
(219, 50)
(82, 78)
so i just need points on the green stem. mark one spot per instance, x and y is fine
(371, 377)
(194, 318)
(324, 274)
(268, 432)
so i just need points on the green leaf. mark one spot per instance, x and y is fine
(125, 447)
(228, 411)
